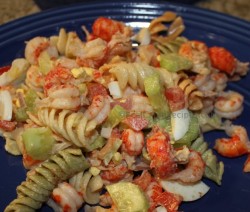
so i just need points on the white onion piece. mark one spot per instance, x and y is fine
(5, 105)
(161, 209)
(180, 121)
(15, 73)
(106, 132)
(115, 89)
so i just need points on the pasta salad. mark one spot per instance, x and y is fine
(115, 121)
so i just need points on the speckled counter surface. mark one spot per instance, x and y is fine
(13, 9)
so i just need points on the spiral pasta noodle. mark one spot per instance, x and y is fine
(191, 91)
(132, 74)
(214, 169)
(43, 179)
(170, 46)
(157, 25)
(68, 43)
(69, 125)
(89, 185)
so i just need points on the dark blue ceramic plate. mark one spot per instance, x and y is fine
(210, 27)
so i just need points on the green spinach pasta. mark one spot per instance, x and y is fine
(43, 179)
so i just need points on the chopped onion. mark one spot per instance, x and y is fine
(115, 89)
(16, 73)
(5, 105)
(180, 121)
(106, 132)
(189, 192)
(161, 209)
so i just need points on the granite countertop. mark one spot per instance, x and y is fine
(13, 9)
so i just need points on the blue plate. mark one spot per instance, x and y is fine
(210, 27)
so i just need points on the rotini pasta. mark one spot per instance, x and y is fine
(67, 124)
(88, 185)
(192, 93)
(68, 43)
(175, 29)
(43, 179)
(132, 74)
(171, 46)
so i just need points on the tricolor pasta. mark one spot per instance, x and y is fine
(119, 113)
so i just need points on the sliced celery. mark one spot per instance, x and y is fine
(116, 115)
(192, 133)
(128, 197)
(38, 142)
(30, 98)
(97, 143)
(154, 91)
(44, 62)
(174, 62)
(21, 113)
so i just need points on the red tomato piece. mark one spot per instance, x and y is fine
(4, 69)
(7, 125)
(28, 161)
(222, 59)
(136, 122)
(164, 198)
(176, 98)
(169, 200)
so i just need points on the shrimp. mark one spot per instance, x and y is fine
(67, 63)
(67, 197)
(36, 46)
(235, 146)
(56, 77)
(115, 172)
(229, 104)
(221, 80)
(133, 142)
(94, 54)
(193, 171)
(161, 153)
(99, 108)
(204, 83)
(197, 52)
(34, 78)
(64, 97)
